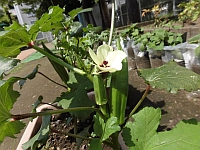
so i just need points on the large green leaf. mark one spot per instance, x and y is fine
(12, 41)
(141, 134)
(7, 99)
(75, 12)
(6, 64)
(77, 96)
(15, 26)
(41, 137)
(137, 135)
(14, 38)
(186, 135)
(9, 129)
(48, 21)
(76, 29)
(171, 77)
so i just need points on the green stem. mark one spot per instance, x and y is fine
(115, 141)
(104, 109)
(61, 62)
(72, 135)
(112, 23)
(52, 80)
(140, 101)
(50, 112)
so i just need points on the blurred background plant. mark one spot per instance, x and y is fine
(191, 11)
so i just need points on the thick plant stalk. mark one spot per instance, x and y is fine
(100, 93)
(119, 91)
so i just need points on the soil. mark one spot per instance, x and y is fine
(59, 140)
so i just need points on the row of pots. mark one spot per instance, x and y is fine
(183, 54)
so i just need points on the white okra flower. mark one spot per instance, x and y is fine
(107, 59)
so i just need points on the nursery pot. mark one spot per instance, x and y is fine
(195, 59)
(141, 57)
(155, 57)
(33, 126)
(142, 60)
(178, 53)
(195, 66)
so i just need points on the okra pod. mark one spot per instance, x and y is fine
(119, 90)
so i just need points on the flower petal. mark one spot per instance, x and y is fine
(115, 56)
(107, 69)
(103, 51)
(94, 57)
(116, 65)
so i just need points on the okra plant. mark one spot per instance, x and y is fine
(104, 70)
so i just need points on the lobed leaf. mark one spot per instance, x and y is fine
(104, 130)
(171, 77)
(194, 39)
(137, 135)
(48, 21)
(185, 135)
(9, 129)
(12, 41)
(75, 12)
(141, 134)
(7, 99)
(197, 51)
(111, 127)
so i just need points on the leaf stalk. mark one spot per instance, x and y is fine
(140, 101)
(59, 111)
